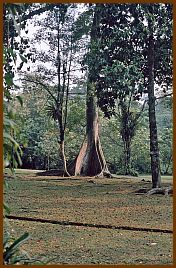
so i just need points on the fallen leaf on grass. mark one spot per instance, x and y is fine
(151, 244)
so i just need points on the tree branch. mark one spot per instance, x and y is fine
(41, 84)
(37, 12)
(68, 83)
(141, 111)
(166, 95)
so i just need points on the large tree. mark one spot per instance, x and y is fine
(90, 160)
(130, 34)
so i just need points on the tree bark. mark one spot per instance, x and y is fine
(127, 156)
(60, 102)
(48, 162)
(154, 149)
(164, 191)
(63, 157)
(62, 148)
(90, 160)
(168, 165)
(127, 131)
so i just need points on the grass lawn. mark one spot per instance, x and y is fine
(106, 201)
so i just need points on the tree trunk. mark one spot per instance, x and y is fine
(62, 149)
(62, 155)
(44, 163)
(48, 162)
(127, 131)
(154, 149)
(168, 165)
(60, 102)
(127, 156)
(90, 160)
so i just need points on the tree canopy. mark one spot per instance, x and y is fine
(101, 49)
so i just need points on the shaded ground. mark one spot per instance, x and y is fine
(98, 201)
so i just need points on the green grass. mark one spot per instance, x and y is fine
(163, 177)
(80, 245)
(107, 201)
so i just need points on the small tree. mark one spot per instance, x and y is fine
(129, 122)
(58, 32)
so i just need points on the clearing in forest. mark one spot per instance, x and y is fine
(102, 202)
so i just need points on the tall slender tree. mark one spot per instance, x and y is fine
(55, 78)
(154, 149)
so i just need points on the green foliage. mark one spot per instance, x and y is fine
(118, 61)
(13, 48)
(164, 114)
(82, 25)
(114, 151)
(119, 58)
(12, 254)
(40, 133)
(75, 131)
(165, 144)
(12, 152)
(141, 151)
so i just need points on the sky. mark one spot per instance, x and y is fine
(42, 46)
(39, 46)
